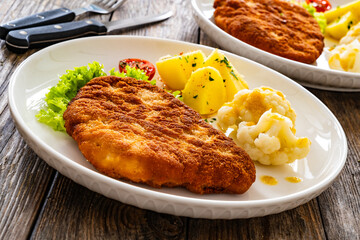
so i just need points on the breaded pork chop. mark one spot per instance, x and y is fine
(276, 26)
(130, 129)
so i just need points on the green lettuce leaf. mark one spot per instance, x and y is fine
(58, 97)
(319, 16)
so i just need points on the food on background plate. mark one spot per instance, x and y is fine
(344, 26)
(341, 19)
(131, 129)
(346, 57)
(264, 124)
(338, 28)
(336, 12)
(351, 35)
(276, 26)
(319, 15)
(197, 90)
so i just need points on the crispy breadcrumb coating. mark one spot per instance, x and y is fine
(276, 26)
(130, 129)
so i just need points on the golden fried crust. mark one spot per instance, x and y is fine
(129, 129)
(276, 26)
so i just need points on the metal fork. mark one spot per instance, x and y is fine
(59, 15)
(100, 7)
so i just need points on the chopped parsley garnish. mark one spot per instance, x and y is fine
(226, 62)
(232, 73)
(211, 120)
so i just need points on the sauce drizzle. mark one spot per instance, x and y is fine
(269, 180)
(293, 179)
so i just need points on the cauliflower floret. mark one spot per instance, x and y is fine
(346, 57)
(249, 105)
(271, 141)
(265, 126)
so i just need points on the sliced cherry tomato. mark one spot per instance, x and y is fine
(320, 5)
(144, 65)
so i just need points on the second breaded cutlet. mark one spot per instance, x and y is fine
(276, 26)
(130, 129)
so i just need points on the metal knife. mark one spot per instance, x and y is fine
(21, 40)
(59, 15)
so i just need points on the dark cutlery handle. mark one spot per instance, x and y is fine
(21, 40)
(40, 19)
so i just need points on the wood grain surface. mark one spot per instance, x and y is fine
(36, 202)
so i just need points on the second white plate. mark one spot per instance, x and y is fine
(317, 75)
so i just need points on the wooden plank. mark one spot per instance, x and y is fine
(299, 223)
(24, 180)
(24, 177)
(74, 212)
(180, 26)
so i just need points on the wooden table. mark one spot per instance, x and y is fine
(38, 202)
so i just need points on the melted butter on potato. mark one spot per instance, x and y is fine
(346, 56)
(341, 19)
(337, 12)
(205, 91)
(180, 72)
(338, 28)
(175, 71)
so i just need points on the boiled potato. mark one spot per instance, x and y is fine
(337, 12)
(205, 91)
(338, 28)
(175, 71)
(351, 35)
(233, 81)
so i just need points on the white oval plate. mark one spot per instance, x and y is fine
(317, 75)
(36, 74)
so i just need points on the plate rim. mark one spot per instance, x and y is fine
(23, 129)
